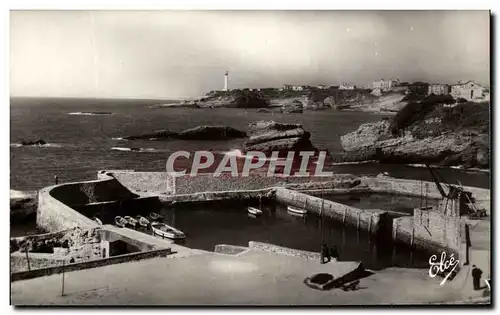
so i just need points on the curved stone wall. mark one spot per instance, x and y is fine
(57, 204)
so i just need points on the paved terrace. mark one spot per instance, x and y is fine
(253, 277)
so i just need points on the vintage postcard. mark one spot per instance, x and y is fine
(181, 158)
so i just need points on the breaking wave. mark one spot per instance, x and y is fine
(90, 113)
(47, 145)
(140, 150)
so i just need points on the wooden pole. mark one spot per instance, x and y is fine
(27, 257)
(357, 224)
(370, 225)
(412, 237)
(63, 270)
(343, 218)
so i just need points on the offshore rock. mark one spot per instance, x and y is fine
(269, 136)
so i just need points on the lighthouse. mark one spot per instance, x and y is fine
(225, 80)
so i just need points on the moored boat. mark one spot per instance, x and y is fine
(121, 222)
(97, 220)
(155, 216)
(294, 210)
(130, 220)
(163, 230)
(142, 221)
(254, 211)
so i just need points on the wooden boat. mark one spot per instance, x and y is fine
(121, 222)
(142, 221)
(163, 230)
(155, 216)
(97, 220)
(254, 211)
(130, 220)
(297, 211)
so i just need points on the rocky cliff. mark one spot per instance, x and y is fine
(269, 136)
(433, 132)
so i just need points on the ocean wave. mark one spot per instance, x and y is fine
(90, 113)
(456, 167)
(47, 145)
(118, 139)
(238, 153)
(141, 150)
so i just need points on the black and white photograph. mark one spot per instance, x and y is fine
(250, 157)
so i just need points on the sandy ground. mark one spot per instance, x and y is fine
(251, 278)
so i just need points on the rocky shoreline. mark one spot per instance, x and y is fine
(445, 136)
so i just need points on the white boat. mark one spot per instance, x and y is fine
(254, 211)
(142, 221)
(97, 220)
(163, 230)
(130, 220)
(294, 210)
(121, 222)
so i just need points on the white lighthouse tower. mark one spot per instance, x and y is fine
(225, 80)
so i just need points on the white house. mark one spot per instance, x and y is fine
(385, 85)
(468, 90)
(346, 86)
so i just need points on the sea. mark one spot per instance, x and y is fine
(83, 136)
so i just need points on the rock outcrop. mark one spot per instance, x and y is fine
(269, 136)
(211, 133)
(444, 136)
(295, 107)
(34, 142)
(23, 205)
(155, 135)
(196, 133)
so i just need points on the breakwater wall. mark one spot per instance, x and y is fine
(164, 184)
(373, 221)
(58, 205)
(418, 188)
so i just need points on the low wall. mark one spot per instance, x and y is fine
(89, 264)
(418, 188)
(284, 250)
(53, 215)
(155, 182)
(372, 221)
(19, 261)
(420, 238)
(57, 204)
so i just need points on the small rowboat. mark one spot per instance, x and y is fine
(254, 211)
(130, 220)
(163, 230)
(142, 221)
(297, 211)
(155, 216)
(97, 220)
(121, 222)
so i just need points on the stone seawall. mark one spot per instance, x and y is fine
(53, 215)
(58, 205)
(372, 221)
(418, 188)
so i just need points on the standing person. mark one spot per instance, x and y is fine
(325, 254)
(56, 179)
(476, 276)
(334, 254)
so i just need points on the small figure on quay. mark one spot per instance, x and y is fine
(56, 179)
(476, 276)
(325, 254)
(334, 254)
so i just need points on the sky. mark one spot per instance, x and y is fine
(184, 54)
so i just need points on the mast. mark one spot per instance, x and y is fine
(436, 181)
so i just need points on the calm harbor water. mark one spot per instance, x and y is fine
(207, 226)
